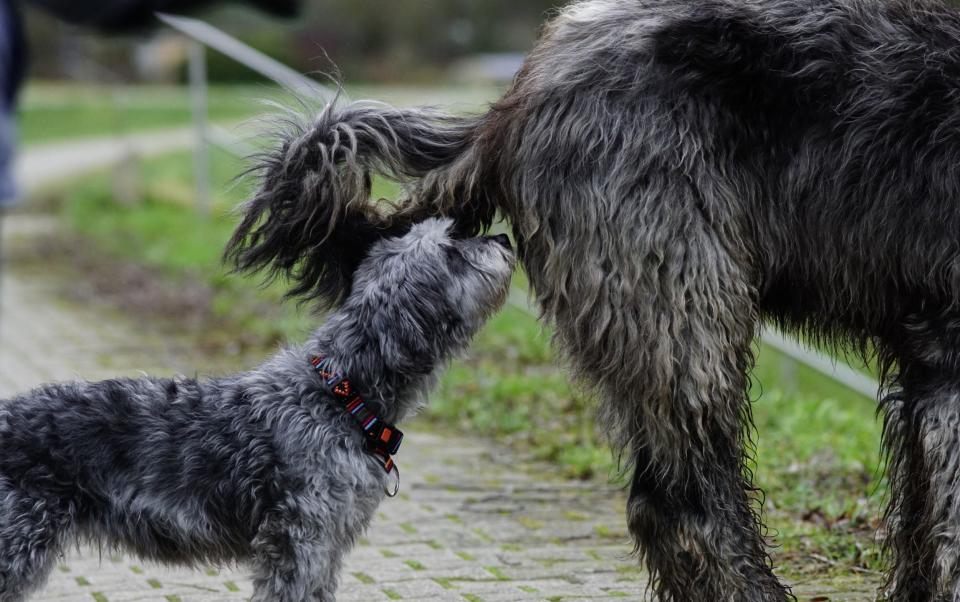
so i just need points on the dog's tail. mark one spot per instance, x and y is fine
(311, 218)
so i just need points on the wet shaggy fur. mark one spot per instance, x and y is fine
(262, 467)
(674, 172)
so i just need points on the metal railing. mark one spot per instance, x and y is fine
(822, 363)
(831, 367)
(204, 35)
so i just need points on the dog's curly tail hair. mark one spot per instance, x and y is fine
(311, 218)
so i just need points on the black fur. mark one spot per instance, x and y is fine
(676, 171)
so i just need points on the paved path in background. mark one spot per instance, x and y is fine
(44, 164)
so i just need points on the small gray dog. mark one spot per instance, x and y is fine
(267, 466)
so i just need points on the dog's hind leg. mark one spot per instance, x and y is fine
(286, 563)
(672, 371)
(691, 506)
(658, 314)
(922, 438)
(31, 535)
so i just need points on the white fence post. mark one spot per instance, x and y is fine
(249, 57)
(199, 100)
(203, 35)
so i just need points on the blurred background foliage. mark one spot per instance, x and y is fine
(368, 40)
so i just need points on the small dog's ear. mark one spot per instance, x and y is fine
(405, 331)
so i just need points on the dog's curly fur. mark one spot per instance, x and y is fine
(263, 466)
(675, 171)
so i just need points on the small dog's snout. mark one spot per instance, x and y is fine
(503, 240)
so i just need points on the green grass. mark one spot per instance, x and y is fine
(364, 578)
(165, 232)
(817, 443)
(50, 112)
(57, 111)
(497, 573)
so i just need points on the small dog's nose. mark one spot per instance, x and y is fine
(503, 240)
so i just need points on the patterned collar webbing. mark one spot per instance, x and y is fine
(383, 439)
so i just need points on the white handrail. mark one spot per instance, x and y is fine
(819, 362)
(252, 58)
(202, 35)
(822, 363)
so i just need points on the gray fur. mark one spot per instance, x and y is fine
(674, 171)
(263, 466)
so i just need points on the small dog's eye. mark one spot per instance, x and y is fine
(456, 260)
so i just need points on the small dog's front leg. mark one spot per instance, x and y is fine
(325, 588)
(31, 533)
(326, 593)
(299, 549)
(288, 562)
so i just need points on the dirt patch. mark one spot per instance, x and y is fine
(98, 278)
(181, 305)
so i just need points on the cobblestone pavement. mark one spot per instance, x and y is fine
(473, 523)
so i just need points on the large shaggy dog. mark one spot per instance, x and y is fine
(674, 172)
(268, 466)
